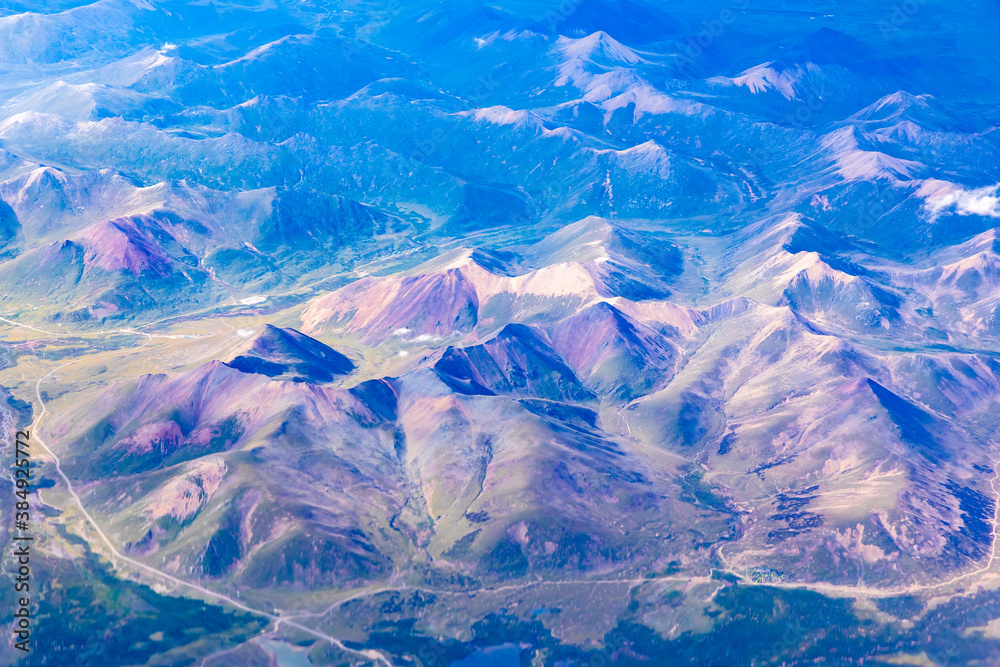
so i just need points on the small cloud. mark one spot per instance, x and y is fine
(423, 338)
(244, 333)
(401, 332)
(253, 300)
(981, 201)
(404, 353)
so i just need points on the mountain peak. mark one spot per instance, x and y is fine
(279, 352)
(769, 76)
(120, 244)
(599, 47)
(923, 110)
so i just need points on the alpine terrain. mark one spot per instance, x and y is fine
(498, 333)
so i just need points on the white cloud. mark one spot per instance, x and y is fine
(401, 332)
(981, 201)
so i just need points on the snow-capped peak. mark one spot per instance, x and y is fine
(598, 45)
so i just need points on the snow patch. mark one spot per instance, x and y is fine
(856, 164)
(647, 100)
(767, 77)
(501, 115)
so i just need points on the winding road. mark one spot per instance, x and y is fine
(376, 656)
(121, 558)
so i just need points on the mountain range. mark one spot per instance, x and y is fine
(466, 333)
